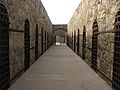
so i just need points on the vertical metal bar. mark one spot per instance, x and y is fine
(4, 49)
(45, 41)
(27, 45)
(116, 58)
(78, 42)
(84, 44)
(42, 41)
(94, 45)
(74, 41)
(68, 43)
(36, 43)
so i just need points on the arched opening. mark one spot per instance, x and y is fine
(116, 59)
(94, 45)
(84, 44)
(36, 43)
(60, 36)
(4, 49)
(27, 44)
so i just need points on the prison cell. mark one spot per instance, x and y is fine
(78, 42)
(42, 41)
(116, 61)
(74, 41)
(94, 45)
(45, 41)
(68, 40)
(27, 45)
(36, 43)
(4, 49)
(84, 44)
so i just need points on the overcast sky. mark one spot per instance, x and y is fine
(60, 11)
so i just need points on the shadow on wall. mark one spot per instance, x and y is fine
(60, 33)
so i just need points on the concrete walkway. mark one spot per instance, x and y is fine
(60, 69)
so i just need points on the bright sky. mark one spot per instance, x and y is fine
(60, 11)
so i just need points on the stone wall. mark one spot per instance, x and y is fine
(60, 30)
(18, 11)
(104, 12)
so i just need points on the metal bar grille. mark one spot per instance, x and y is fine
(45, 41)
(27, 45)
(74, 41)
(36, 43)
(68, 43)
(48, 40)
(4, 49)
(84, 44)
(78, 44)
(42, 41)
(116, 61)
(94, 45)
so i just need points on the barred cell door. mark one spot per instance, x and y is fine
(4, 49)
(45, 40)
(94, 45)
(74, 41)
(27, 45)
(36, 43)
(84, 44)
(116, 59)
(68, 40)
(42, 42)
(78, 42)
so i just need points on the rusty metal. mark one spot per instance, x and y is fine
(94, 45)
(116, 59)
(4, 49)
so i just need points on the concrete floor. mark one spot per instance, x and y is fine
(60, 69)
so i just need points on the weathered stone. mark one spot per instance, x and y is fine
(104, 12)
(60, 31)
(18, 11)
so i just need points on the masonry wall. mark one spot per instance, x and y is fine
(60, 30)
(103, 11)
(18, 11)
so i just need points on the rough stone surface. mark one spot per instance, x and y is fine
(104, 12)
(60, 69)
(61, 31)
(18, 11)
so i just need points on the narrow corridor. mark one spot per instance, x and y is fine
(60, 68)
